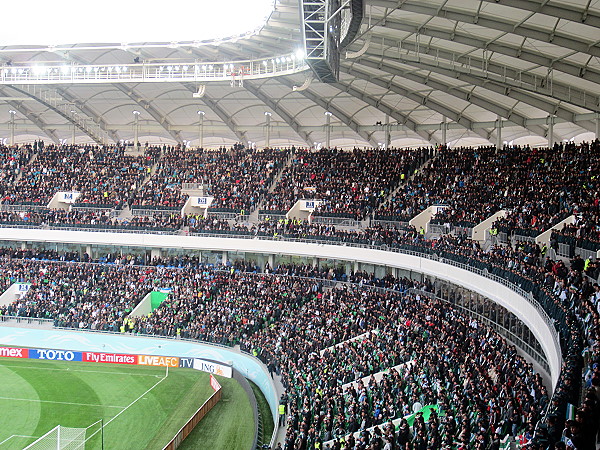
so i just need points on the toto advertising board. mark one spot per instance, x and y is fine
(117, 358)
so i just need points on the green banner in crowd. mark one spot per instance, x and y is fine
(426, 413)
(156, 298)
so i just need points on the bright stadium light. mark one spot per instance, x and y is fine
(203, 21)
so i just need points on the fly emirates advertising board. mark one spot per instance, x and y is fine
(117, 358)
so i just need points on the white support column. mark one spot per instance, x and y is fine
(388, 132)
(550, 120)
(73, 125)
(268, 130)
(348, 267)
(597, 125)
(327, 129)
(498, 133)
(444, 126)
(12, 126)
(224, 258)
(201, 129)
(136, 129)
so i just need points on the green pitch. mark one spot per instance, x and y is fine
(140, 407)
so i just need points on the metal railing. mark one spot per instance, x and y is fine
(390, 223)
(20, 208)
(24, 321)
(154, 212)
(190, 71)
(341, 221)
(564, 250)
(85, 227)
(584, 253)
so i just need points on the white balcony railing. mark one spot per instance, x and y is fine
(192, 71)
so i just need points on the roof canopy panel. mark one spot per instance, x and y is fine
(414, 65)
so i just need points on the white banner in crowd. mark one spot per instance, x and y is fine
(68, 197)
(309, 205)
(201, 202)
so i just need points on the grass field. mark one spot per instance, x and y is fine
(140, 406)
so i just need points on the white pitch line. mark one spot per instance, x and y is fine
(16, 435)
(127, 407)
(86, 371)
(33, 400)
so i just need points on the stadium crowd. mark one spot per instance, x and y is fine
(292, 323)
(538, 187)
(351, 184)
(103, 175)
(303, 331)
(519, 265)
(237, 178)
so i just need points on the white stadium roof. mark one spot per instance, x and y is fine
(416, 64)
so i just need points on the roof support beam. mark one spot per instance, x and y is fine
(88, 112)
(448, 89)
(487, 21)
(514, 51)
(518, 94)
(137, 99)
(221, 113)
(147, 106)
(384, 108)
(282, 127)
(33, 117)
(352, 124)
(88, 131)
(421, 99)
(276, 108)
(490, 70)
(572, 13)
